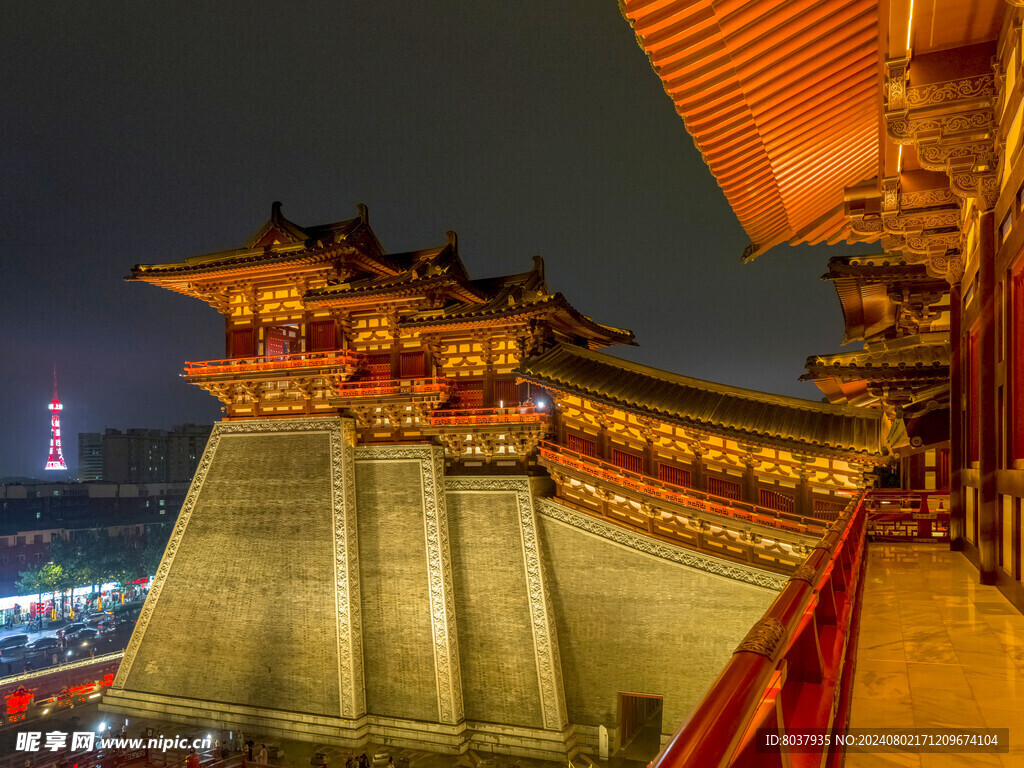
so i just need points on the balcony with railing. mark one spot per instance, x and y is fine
(334, 363)
(476, 417)
(366, 392)
(557, 457)
(899, 515)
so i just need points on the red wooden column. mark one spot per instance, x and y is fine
(957, 513)
(988, 434)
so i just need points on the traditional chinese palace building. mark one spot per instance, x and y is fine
(489, 532)
(898, 124)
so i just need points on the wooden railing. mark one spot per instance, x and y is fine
(476, 416)
(793, 670)
(899, 515)
(687, 497)
(258, 363)
(385, 387)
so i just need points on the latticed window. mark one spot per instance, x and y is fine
(781, 502)
(628, 461)
(828, 508)
(412, 365)
(674, 475)
(581, 445)
(243, 343)
(380, 366)
(322, 335)
(470, 394)
(727, 489)
(506, 391)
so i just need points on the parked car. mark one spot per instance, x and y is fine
(69, 630)
(13, 641)
(86, 636)
(100, 621)
(44, 644)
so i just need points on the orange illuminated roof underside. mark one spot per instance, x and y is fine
(781, 98)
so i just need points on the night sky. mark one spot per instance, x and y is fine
(148, 132)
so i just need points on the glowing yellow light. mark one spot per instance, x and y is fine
(899, 161)
(910, 21)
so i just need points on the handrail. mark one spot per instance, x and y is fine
(380, 387)
(793, 669)
(327, 358)
(676, 494)
(468, 416)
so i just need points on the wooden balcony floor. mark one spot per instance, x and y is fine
(936, 648)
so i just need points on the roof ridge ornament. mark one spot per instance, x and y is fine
(364, 212)
(453, 239)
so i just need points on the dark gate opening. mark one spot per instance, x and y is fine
(639, 726)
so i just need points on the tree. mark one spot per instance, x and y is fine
(28, 583)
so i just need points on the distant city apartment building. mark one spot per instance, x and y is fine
(142, 455)
(90, 456)
(32, 515)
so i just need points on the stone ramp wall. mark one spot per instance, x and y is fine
(245, 612)
(312, 589)
(632, 622)
(397, 634)
(499, 668)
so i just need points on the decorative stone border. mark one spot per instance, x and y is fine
(660, 549)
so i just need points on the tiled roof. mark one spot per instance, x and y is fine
(704, 404)
(911, 355)
(316, 237)
(781, 99)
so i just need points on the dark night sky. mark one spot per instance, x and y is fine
(147, 132)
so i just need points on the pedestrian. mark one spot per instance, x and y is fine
(364, 761)
(349, 760)
(248, 748)
(192, 761)
(391, 762)
(261, 756)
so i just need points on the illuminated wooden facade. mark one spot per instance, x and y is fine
(319, 321)
(646, 448)
(506, 376)
(893, 123)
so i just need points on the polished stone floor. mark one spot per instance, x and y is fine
(936, 649)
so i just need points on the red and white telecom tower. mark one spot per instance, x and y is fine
(56, 458)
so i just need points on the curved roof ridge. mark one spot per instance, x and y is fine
(709, 386)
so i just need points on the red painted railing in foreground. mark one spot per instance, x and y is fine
(329, 359)
(471, 416)
(384, 387)
(793, 670)
(687, 497)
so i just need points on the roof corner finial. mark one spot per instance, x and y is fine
(538, 265)
(453, 240)
(364, 212)
(275, 211)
